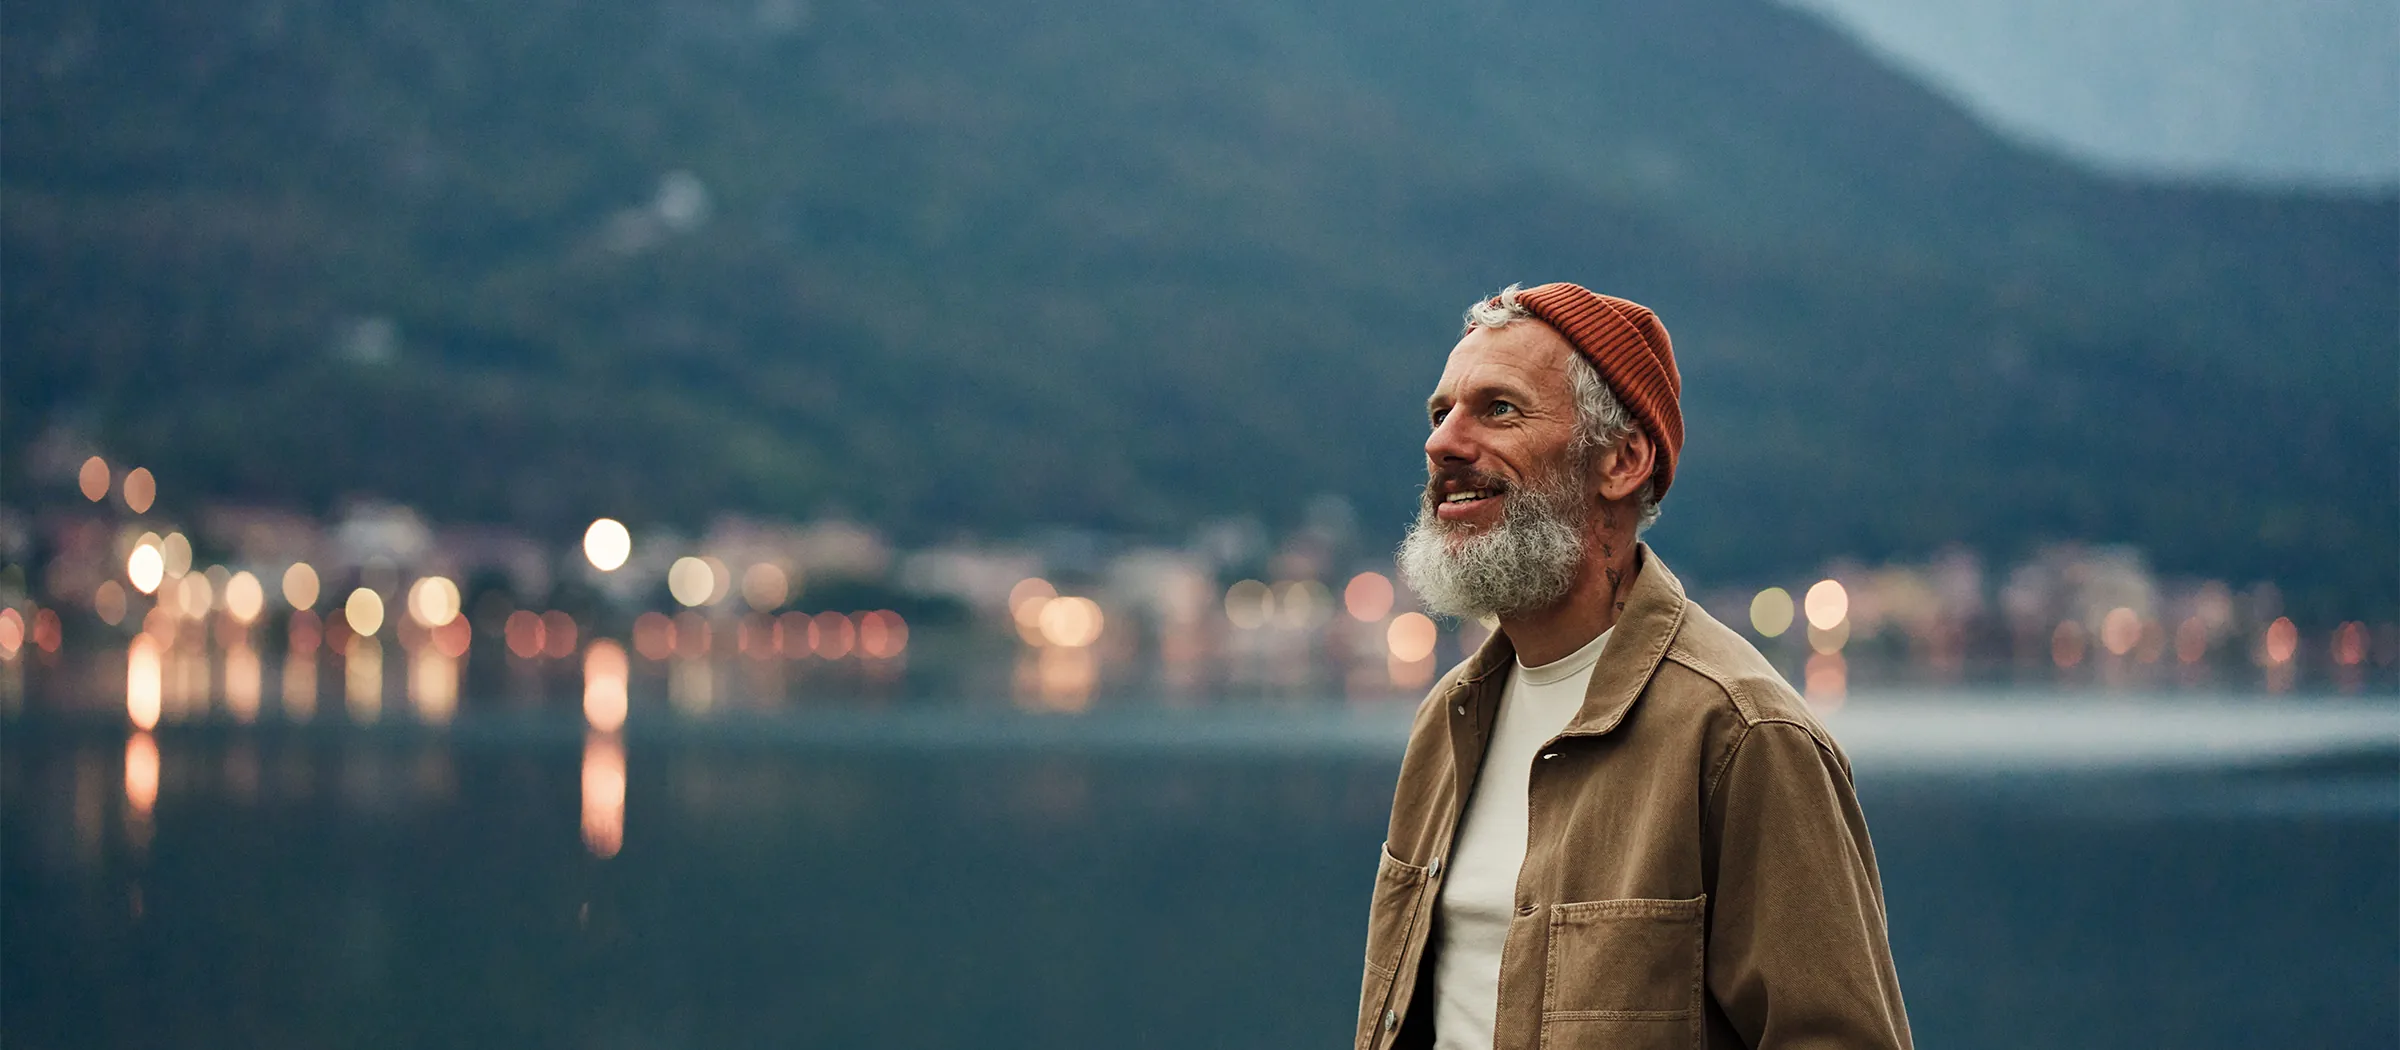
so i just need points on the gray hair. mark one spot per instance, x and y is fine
(1604, 420)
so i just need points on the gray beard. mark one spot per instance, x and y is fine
(1527, 562)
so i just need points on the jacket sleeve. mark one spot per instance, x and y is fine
(1797, 950)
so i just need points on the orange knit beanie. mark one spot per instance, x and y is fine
(1629, 346)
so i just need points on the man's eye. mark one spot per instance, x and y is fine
(1440, 415)
(1502, 408)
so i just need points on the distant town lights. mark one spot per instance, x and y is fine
(1071, 623)
(140, 490)
(300, 586)
(1827, 604)
(433, 601)
(1411, 637)
(245, 598)
(690, 582)
(1368, 597)
(364, 612)
(607, 544)
(177, 550)
(93, 479)
(1771, 612)
(145, 567)
(765, 586)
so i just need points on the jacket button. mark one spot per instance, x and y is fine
(1391, 1020)
(1434, 870)
(1462, 709)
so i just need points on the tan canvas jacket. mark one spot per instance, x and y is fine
(1697, 871)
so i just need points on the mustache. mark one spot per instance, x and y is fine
(1475, 479)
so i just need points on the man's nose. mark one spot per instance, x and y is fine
(1452, 441)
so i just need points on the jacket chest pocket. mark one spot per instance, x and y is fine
(1390, 919)
(1624, 973)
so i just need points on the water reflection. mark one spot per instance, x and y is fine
(604, 681)
(433, 684)
(144, 690)
(1056, 678)
(300, 684)
(603, 794)
(242, 683)
(691, 683)
(362, 675)
(141, 787)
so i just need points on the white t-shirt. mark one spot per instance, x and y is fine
(1480, 898)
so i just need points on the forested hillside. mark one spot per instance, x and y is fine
(1007, 263)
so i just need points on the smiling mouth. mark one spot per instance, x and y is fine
(1468, 496)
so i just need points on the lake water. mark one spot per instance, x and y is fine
(2061, 872)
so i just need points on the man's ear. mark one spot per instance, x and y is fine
(1625, 466)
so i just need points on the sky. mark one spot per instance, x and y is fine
(2273, 92)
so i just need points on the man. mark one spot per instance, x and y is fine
(1616, 826)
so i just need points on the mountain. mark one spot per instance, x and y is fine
(997, 265)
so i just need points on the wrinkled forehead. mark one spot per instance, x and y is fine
(1527, 360)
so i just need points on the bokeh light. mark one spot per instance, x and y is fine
(245, 598)
(433, 601)
(2283, 640)
(364, 612)
(1368, 597)
(765, 586)
(145, 568)
(654, 636)
(882, 634)
(1025, 601)
(1071, 622)
(454, 638)
(523, 632)
(2191, 640)
(177, 550)
(558, 635)
(606, 544)
(832, 635)
(93, 479)
(690, 582)
(108, 601)
(12, 631)
(2120, 630)
(2067, 644)
(1771, 612)
(2350, 644)
(1411, 637)
(193, 596)
(300, 586)
(1827, 604)
(1303, 604)
(1249, 604)
(720, 579)
(139, 490)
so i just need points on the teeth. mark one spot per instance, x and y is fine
(1462, 497)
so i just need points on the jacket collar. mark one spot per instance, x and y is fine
(1653, 616)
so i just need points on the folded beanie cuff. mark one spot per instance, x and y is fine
(1626, 342)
